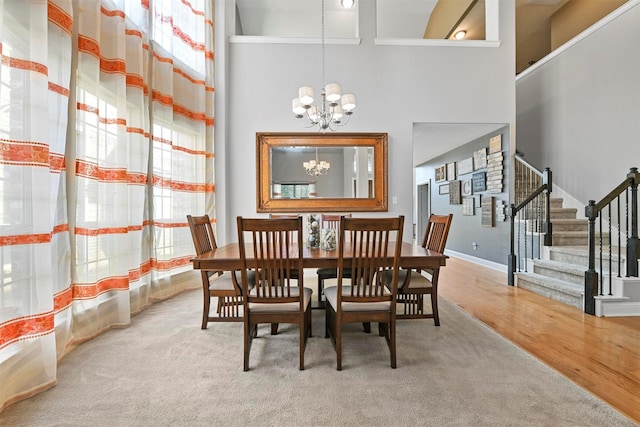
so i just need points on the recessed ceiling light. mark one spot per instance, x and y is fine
(460, 35)
(347, 4)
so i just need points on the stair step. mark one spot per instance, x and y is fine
(575, 238)
(576, 255)
(556, 202)
(570, 224)
(559, 270)
(559, 213)
(549, 287)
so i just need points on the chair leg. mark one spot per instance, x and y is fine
(327, 321)
(392, 341)
(434, 307)
(274, 329)
(320, 289)
(303, 340)
(338, 336)
(367, 327)
(248, 337)
(205, 310)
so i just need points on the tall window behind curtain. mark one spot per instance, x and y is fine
(35, 293)
(77, 260)
(112, 152)
(182, 119)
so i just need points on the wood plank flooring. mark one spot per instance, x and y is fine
(600, 354)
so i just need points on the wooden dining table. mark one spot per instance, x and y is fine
(227, 257)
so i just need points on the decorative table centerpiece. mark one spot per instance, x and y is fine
(313, 231)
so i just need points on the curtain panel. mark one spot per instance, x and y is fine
(106, 138)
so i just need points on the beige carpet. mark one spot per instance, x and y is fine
(165, 370)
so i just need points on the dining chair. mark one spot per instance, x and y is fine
(413, 285)
(215, 284)
(294, 272)
(276, 250)
(374, 249)
(329, 221)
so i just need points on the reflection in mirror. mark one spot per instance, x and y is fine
(318, 172)
(347, 172)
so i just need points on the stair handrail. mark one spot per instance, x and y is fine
(544, 189)
(533, 169)
(592, 211)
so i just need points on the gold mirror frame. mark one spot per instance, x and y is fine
(266, 140)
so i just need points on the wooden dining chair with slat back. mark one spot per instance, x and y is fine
(329, 221)
(215, 284)
(294, 272)
(413, 285)
(276, 250)
(374, 249)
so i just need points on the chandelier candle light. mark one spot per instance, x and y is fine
(333, 105)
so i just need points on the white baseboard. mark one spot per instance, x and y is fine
(483, 262)
(616, 307)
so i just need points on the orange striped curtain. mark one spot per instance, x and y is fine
(182, 115)
(35, 254)
(98, 168)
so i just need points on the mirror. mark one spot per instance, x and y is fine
(352, 176)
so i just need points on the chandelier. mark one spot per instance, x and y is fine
(316, 167)
(334, 109)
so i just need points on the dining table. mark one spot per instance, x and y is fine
(227, 257)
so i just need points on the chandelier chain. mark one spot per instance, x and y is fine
(333, 108)
(322, 41)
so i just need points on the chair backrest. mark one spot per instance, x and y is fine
(202, 233)
(374, 248)
(332, 221)
(435, 235)
(276, 249)
(204, 241)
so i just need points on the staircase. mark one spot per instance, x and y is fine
(560, 273)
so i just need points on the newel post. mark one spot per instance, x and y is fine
(633, 243)
(548, 226)
(511, 261)
(591, 275)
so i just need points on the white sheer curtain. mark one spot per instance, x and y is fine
(182, 119)
(106, 138)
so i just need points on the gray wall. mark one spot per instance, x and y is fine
(396, 86)
(492, 242)
(579, 112)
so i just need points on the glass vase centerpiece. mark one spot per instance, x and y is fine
(329, 237)
(313, 231)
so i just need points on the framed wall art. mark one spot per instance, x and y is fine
(479, 180)
(488, 211)
(451, 171)
(443, 189)
(495, 144)
(480, 159)
(455, 192)
(441, 173)
(465, 166)
(467, 188)
(468, 206)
